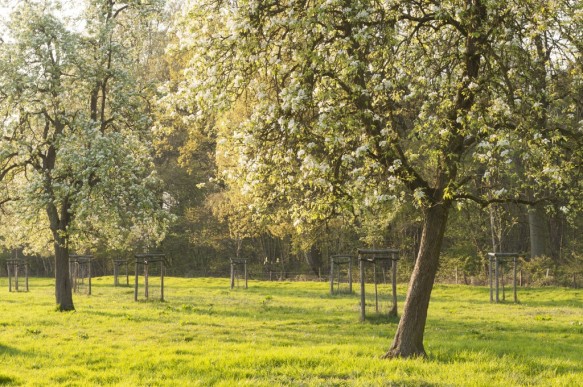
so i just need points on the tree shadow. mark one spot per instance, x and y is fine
(5, 350)
(8, 381)
(381, 318)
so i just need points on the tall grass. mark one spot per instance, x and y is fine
(282, 333)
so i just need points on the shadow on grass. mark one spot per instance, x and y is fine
(4, 350)
(378, 319)
(565, 297)
(8, 381)
(340, 294)
(126, 315)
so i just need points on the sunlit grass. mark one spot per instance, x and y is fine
(282, 333)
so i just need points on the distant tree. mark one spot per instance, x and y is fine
(76, 121)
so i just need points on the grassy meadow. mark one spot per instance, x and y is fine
(283, 333)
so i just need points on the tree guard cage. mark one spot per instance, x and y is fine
(79, 271)
(497, 263)
(117, 265)
(145, 260)
(337, 263)
(17, 268)
(269, 269)
(376, 257)
(236, 265)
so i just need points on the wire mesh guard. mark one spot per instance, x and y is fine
(498, 272)
(238, 270)
(120, 272)
(17, 270)
(341, 273)
(80, 273)
(380, 260)
(152, 266)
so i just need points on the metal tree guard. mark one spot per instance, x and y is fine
(79, 268)
(336, 262)
(13, 268)
(117, 263)
(495, 261)
(377, 255)
(145, 260)
(236, 264)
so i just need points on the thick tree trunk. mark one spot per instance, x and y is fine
(59, 221)
(408, 341)
(63, 288)
(59, 218)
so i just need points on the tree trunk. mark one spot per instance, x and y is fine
(314, 259)
(408, 341)
(495, 228)
(63, 289)
(59, 222)
(540, 237)
(59, 219)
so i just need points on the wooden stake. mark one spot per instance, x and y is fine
(331, 275)
(393, 311)
(362, 296)
(136, 282)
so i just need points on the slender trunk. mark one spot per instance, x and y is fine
(46, 267)
(495, 228)
(408, 341)
(314, 258)
(238, 243)
(537, 220)
(540, 239)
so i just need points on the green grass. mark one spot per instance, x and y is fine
(281, 333)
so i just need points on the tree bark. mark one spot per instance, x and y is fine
(59, 222)
(408, 341)
(63, 288)
(540, 237)
(59, 219)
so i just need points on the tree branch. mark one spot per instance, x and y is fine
(486, 202)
